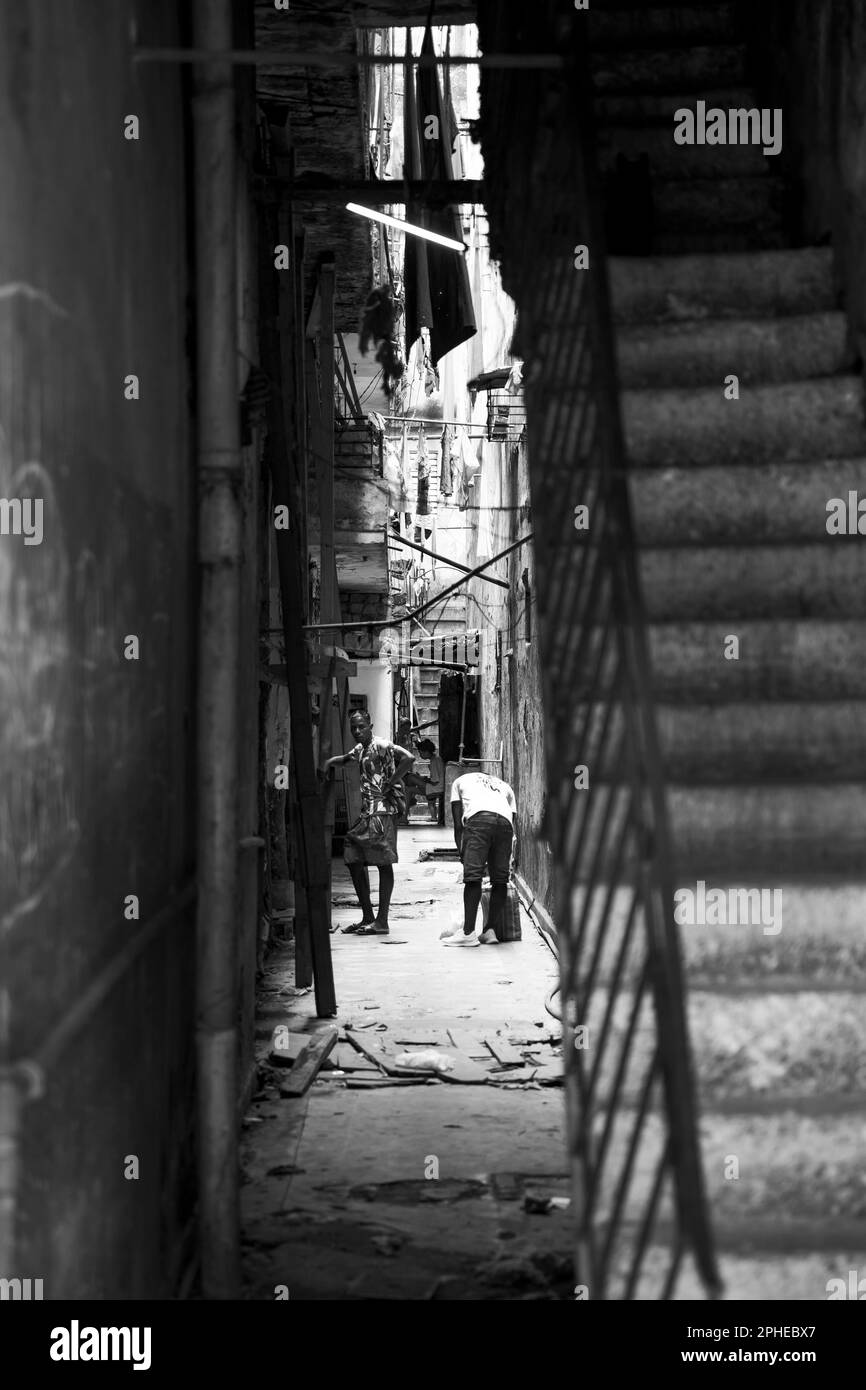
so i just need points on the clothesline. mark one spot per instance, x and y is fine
(433, 423)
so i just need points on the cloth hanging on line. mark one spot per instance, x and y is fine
(392, 474)
(436, 279)
(422, 506)
(445, 484)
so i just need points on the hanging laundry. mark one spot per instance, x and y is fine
(445, 484)
(405, 472)
(422, 507)
(458, 469)
(393, 475)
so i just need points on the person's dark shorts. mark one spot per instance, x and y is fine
(487, 840)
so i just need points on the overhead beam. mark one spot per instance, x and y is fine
(443, 560)
(430, 603)
(327, 58)
(378, 192)
(403, 13)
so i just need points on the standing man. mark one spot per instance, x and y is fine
(434, 786)
(373, 837)
(484, 812)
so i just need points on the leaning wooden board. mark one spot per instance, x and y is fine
(307, 1064)
(503, 1050)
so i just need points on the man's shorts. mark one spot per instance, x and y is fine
(487, 840)
(372, 840)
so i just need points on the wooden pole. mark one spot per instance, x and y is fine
(282, 439)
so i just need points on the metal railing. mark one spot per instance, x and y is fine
(637, 1179)
(347, 405)
(506, 416)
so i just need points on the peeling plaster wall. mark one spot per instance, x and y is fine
(97, 751)
(513, 714)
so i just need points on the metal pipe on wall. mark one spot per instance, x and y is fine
(220, 531)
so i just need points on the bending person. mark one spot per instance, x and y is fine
(484, 812)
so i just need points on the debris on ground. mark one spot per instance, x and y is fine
(425, 1061)
(306, 1065)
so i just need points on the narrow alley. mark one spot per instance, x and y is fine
(378, 1187)
(432, 667)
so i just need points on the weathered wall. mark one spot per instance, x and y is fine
(96, 751)
(512, 713)
(810, 59)
(323, 106)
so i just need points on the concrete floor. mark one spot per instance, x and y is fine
(356, 1217)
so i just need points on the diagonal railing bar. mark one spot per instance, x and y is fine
(676, 1262)
(625, 1173)
(599, 1051)
(585, 809)
(608, 795)
(612, 858)
(625, 1055)
(614, 871)
(648, 1221)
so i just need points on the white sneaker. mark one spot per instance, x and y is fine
(461, 939)
(488, 938)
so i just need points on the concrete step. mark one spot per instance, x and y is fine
(805, 1047)
(664, 26)
(718, 205)
(820, 418)
(789, 660)
(777, 503)
(661, 290)
(757, 350)
(825, 579)
(766, 830)
(743, 742)
(693, 69)
(786, 1182)
(643, 109)
(668, 160)
(821, 945)
(751, 833)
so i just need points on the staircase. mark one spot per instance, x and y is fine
(448, 618)
(765, 755)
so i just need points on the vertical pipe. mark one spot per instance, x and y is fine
(220, 545)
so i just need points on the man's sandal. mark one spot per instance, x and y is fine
(356, 929)
(374, 930)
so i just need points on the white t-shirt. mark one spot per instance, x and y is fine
(479, 792)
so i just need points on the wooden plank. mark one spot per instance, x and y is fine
(290, 1047)
(503, 1051)
(465, 1071)
(425, 1037)
(383, 1058)
(347, 1058)
(468, 1043)
(375, 1083)
(306, 1068)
